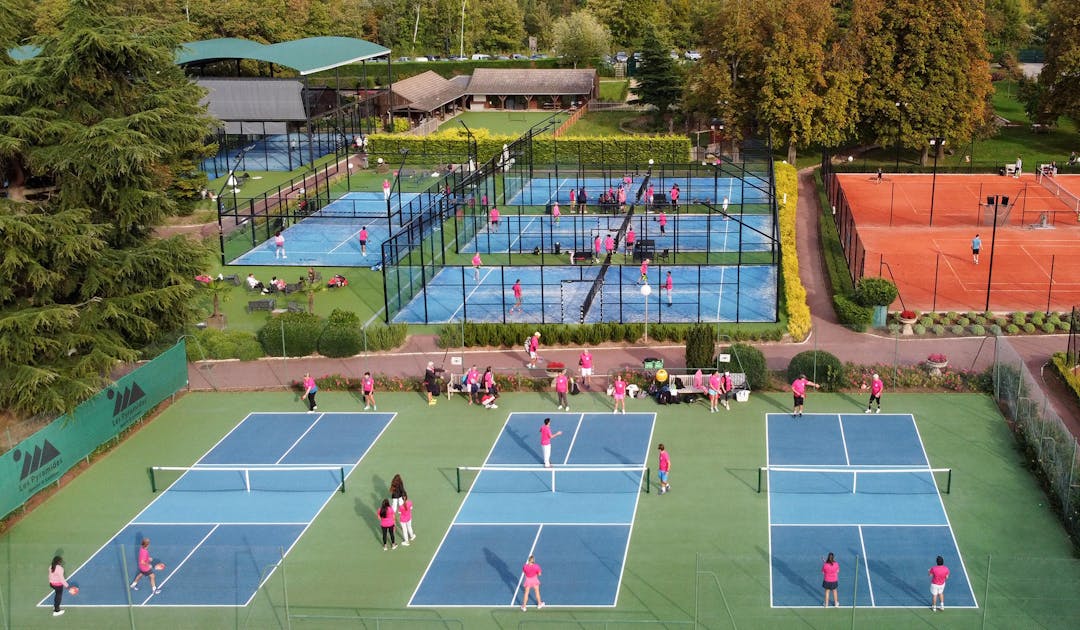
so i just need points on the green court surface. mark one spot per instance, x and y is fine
(698, 556)
(512, 123)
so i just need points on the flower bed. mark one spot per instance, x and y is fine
(977, 324)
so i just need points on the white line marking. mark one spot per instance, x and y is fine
(289, 450)
(487, 272)
(866, 568)
(843, 439)
(509, 523)
(577, 429)
(768, 511)
(860, 525)
(180, 564)
(532, 549)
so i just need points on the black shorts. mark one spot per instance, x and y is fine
(829, 586)
(799, 400)
(975, 251)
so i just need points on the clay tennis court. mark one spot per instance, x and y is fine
(1036, 251)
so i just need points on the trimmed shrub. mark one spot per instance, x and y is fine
(919, 329)
(894, 329)
(1012, 329)
(1038, 319)
(938, 329)
(1054, 318)
(224, 344)
(1063, 326)
(978, 330)
(700, 346)
(794, 301)
(380, 337)
(300, 331)
(1018, 318)
(1029, 328)
(980, 320)
(995, 330)
(875, 292)
(1048, 327)
(1001, 322)
(752, 362)
(341, 336)
(953, 315)
(852, 315)
(819, 366)
(963, 321)
(956, 329)
(926, 321)
(971, 315)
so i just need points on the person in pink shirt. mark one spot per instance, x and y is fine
(644, 271)
(533, 344)
(279, 246)
(714, 391)
(938, 574)
(830, 579)
(363, 236)
(367, 385)
(664, 468)
(310, 389)
(630, 238)
(58, 583)
(798, 389)
(669, 288)
(517, 297)
(876, 387)
(472, 382)
(727, 389)
(562, 386)
(609, 244)
(585, 361)
(493, 216)
(386, 190)
(675, 197)
(618, 392)
(386, 522)
(662, 219)
(622, 199)
(596, 248)
(489, 382)
(145, 564)
(649, 196)
(476, 264)
(573, 200)
(404, 514)
(531, 571)
(555, 213)
(545, 441)
(483, 201)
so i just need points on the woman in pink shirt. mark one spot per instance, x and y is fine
(531, 571)
(714, 392)
(675, 197)
(596, 248)
(405, 518)
(489, 382)
(644, 271)
(798, 390)
(609, 244)
(562, 385)
(669, 288)
(534, 349)
(830, 580)
(545, 441)
(279, 245)
(663, 222)
(386, 521)
(876, 387)
(649, 196)
(630, 238)
(938, 574)
(618, 392)
(363, 236)
(555, 213)
(518, 295)
(58, 583)
(664, 467)
(367, 385)
(493, 216)
(476, 263)
(585, 361)
(310, 389)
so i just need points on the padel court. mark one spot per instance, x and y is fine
(575, 517)
(330, 237)
(543, 190)
(859, 486)
(222, 526)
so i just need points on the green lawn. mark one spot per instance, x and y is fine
(512, 123)
(601, 124)
(613, 90)
(701, 551)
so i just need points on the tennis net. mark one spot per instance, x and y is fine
(1070, 200)
(790, 480)
(534, 479)
(247, 478)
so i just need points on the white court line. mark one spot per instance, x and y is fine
(633, 517)
(289, 450)
(487, 273)
(859, 525)
(866, 568)
(768, 510)
(577, 429)
(521, 231)
(180, 564)
(532, 548)
(204, 524)
(527, 523)
(843, 439)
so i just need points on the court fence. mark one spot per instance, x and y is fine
(1051, 448)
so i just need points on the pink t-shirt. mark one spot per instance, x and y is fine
(725, 382)
(494, 214)
(622, 195)
(586, 360)
(665, 461)
(798, 387)
(572, 195)
(144, 559)
(663, 219)
(363, 235)
(668, 284)
(531, 570)
(474, 377)
(630, 236)
(545, 435)
(309, 383)
(596, 245)
(674, 194)
(483, 200)
(555, 210)
(517, 289)
(534, 343)
(714, 382)
(405, 512)
(56, 576)
(619, 388)
(876, 387)
(830, 571)
(386, 185)
(644, 269)
(476, 260)
(489, 380)
(938, 574)
(561, 383)
(609, 244)
(649, 194)
(386, 519)
(368, 384)
(279, 240)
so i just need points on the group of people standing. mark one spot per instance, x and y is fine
(830, 581)
(396, 510)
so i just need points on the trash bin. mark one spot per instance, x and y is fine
(653, 363)
(558, 248)
(1001, 171)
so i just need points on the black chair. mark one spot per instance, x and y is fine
(664, 255)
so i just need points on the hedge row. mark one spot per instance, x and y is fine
(787, 184)
(848, 311)
(584, 149)
(514, 335)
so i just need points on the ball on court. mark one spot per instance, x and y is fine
(160, 566)
(74, 590)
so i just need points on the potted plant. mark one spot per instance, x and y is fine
(937, 362)
(908, 317)
(554, 368)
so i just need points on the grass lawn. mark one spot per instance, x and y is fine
(601, 124)
(512, 123)
(613, 90)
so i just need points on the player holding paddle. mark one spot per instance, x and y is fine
(147, 567)
(58, 582)
(545, 441)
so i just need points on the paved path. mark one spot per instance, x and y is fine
(863, 348)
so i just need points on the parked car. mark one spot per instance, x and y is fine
(404, 59)
(518, 56)
(621, 57)
(502, 57)
(421, 58)
(480, 57)
(674, 54)
(538, 56)
(692, 55)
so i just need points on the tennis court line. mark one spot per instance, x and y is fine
(952, 532)
(521, 230)
(560, 523)
(577, 429)
(479, 284)
(843, 439)
(633, 517)
(866, 567)
(206, 524)
(532, 549)
(831, 525)
(297, 441)
(180, 564)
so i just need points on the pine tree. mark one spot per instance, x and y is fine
(659, 81)
(101, 122)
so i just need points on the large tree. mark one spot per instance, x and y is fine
(659, 82)
(101, 124)
(496, 26)
(1059, 81)
(580, 38)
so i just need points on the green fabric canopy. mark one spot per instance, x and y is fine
(307, 56)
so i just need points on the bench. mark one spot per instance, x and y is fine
(1010, 169)
(261, 305)
(296, 307)
(293, 288)
(689, 393)
(232, 279)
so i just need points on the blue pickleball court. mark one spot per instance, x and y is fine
(579, 533)
(885, 528)
(222, 533)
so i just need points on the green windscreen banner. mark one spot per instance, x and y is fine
(44, 457)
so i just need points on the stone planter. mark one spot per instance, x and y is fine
(906, 330)
(936, 367)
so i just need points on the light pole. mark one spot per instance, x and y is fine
(900, 105)
(461, 42)
(996, 201)
(935, 143)
(646, 291)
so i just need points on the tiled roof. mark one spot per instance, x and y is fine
(426, 92)
(554, 81)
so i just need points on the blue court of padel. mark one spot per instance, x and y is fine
(330, 237)
(706, 293)
(579, 534)
(886, 529)
(545, 190)
(683, 232)
(221, 534)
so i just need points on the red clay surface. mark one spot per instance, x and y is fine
(933, 266)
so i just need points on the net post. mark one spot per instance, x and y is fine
(648, 480)
(948, 482)
(342, 472)
(459, 479)
(760, 471)
(153, 480)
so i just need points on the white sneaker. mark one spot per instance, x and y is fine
(157, 591)
(867, 411)
(368, 407)
(374, 408)
(405, 543)
(559, 407)
(413, 537)
(878, 410)
(568, 407)
(541, 605)
(134, 587)
(315, 407)
(57, 613)
(524, 608)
